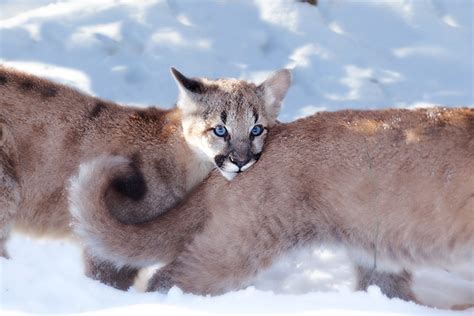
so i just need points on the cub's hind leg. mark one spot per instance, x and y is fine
(9, 187)
(107, 273)
(162, 281)
(391, 284)
(89, 195)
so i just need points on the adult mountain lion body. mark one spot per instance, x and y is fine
(47, 130)
(394, 187)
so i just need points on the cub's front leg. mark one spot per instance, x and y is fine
(221, 259)
(9, 187)
(201, 276)
(162, 281)
(9, 199)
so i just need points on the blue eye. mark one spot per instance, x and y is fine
(220, 131)
(257, 130)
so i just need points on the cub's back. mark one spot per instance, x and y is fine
(407, 175)
(23, 94)
(46, 118)
(403, 177)
(407, 163)
(52, 128)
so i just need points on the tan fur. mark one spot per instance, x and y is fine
(354, 178)
(47, 130)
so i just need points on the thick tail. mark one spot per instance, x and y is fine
(102, 233)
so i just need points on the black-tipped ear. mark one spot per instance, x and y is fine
(274, 89)
(185, 83)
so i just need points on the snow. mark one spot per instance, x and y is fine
(46, 276)
(357, 54)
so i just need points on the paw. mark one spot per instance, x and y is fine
(461, 307)
(4, 253)
(161, 281)
(107, 273)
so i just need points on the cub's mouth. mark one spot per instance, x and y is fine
(230, 166)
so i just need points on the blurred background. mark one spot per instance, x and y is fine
(344, 54)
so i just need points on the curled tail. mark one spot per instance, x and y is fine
(98, 229)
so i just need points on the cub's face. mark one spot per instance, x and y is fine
(226, 120)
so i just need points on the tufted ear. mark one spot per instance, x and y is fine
(274, 91)
(188, 88)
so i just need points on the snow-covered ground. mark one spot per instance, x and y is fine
(357, 54)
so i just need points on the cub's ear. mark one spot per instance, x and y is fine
(186, 84)
(274, 91)
(188, 89)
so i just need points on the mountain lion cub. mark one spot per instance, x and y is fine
(47, 130)
(394, 187)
